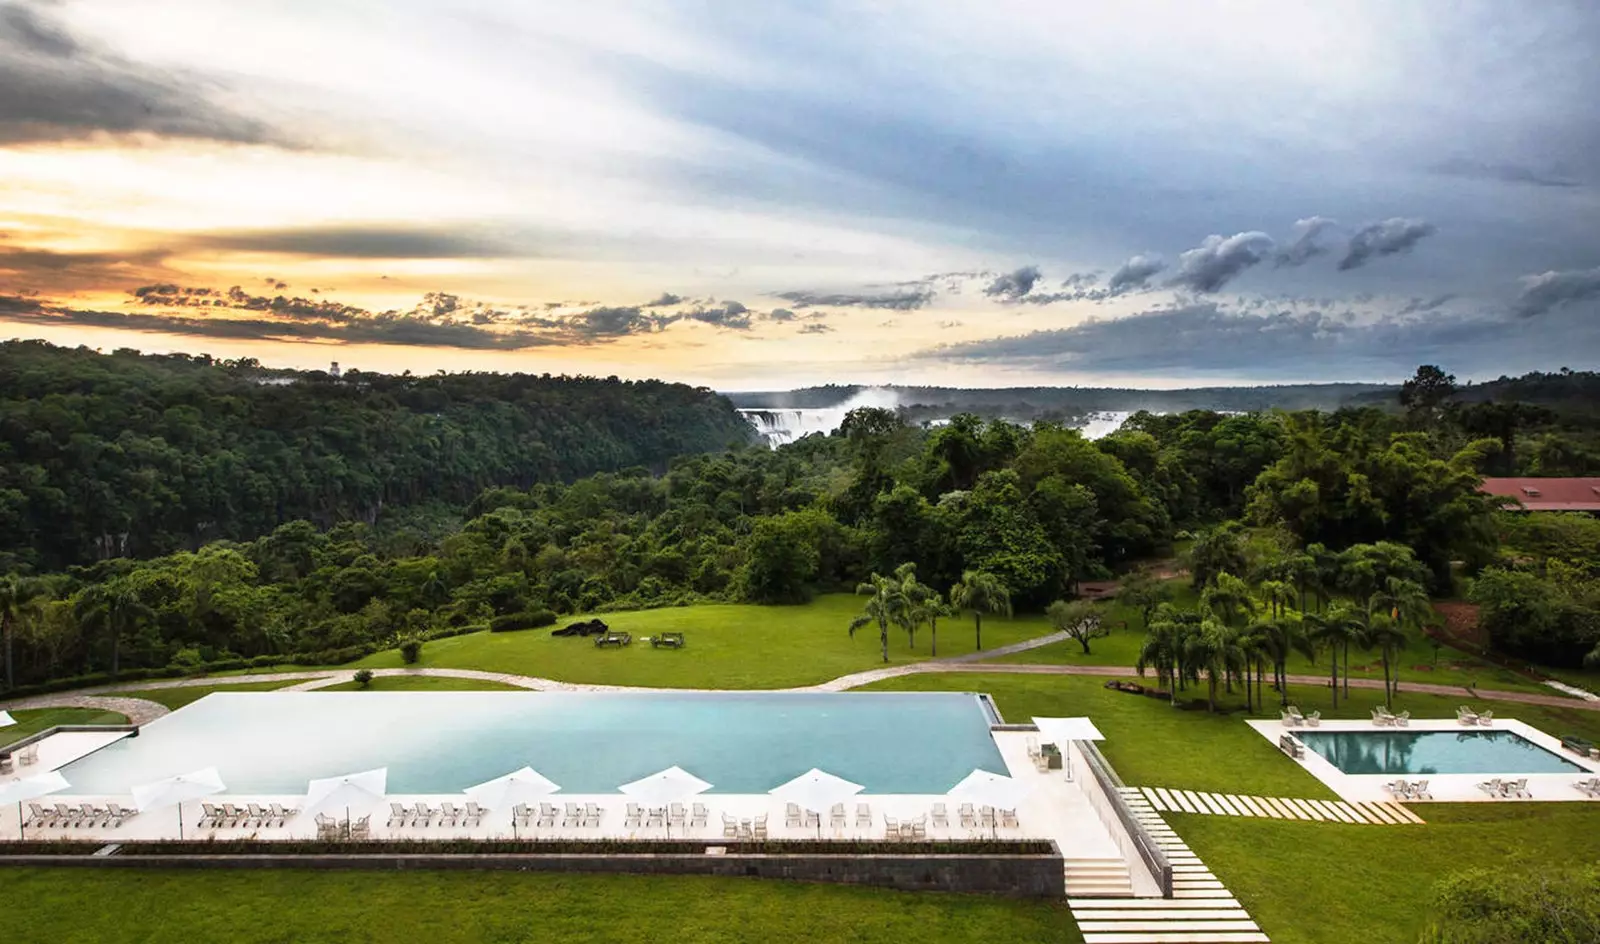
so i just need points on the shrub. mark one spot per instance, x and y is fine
(1480, 906)
(410, 650)
(532, 619)
(186, 659)
(364, 677)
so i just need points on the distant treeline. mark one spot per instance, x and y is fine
(134, 455)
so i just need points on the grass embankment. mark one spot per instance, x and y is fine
(1327, 883)
(176, 698)
(730, 646)
(1420, 661)
(423, 683)
(1150, 743)
(33, 720)
(283, 905)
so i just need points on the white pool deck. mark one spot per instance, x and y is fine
(1056, 808)
(1445, 788)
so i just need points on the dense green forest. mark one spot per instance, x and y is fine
(988, 514)
(138, 455)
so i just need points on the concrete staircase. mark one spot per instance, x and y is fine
(1098, 878)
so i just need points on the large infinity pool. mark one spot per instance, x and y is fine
(443, 742)
(1435, 752)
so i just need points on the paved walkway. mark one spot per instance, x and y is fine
(141, 711)
(1231, 804)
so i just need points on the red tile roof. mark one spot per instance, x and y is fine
(1577, 494)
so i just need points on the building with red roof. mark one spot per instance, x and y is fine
(1552, 494)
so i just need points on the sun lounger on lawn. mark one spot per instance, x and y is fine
(613, 639)
(667, 641)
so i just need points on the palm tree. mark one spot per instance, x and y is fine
(1228, 598)
(914, 592)
(1386, 635)
(1210, 649)
(115, 609)
(1406, 605)
(1336, 629)
(1162, 648)
(887, 604)
(1278, 639)
(1277, 596)
(15, 593)
(979, 593)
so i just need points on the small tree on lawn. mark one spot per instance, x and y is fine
(885, 607)
(979, 593)
(1077, 619)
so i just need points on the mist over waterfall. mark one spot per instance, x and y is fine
(780, 426)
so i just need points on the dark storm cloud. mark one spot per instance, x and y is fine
(49, 271)
(780, 314)
(1013, 285)
(1505, 173)
(733, 316)
(1384, 239)
(56, 89)
(897, 301)
(1550, 290)
(1135, 273)
(360, 242)
(1218, 260)
(613, 322)
(1418, 305)
(1208, 337)
(665, 298)
(1305, 246)
(1080, 280)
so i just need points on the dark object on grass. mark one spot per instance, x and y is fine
(667, 641)
(1134, 688)
(592, 627)
(613, 639)
(1578, 745)
(364, 677)
(532, 619)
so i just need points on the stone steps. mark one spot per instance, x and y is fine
(1098, 878)
(1169, 800)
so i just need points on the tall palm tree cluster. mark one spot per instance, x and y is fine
(900, 600)
(1240, 634)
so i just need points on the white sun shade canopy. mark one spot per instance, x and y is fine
(176, 790)
(350, 794)
(6, 720)
(667, 786)
(29, 788)
(816, 790)
(1061, 730)
(986, 789)
(519, 786)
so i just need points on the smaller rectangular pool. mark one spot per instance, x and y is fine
(1435, 752)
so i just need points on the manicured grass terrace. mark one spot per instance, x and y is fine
(33, 720)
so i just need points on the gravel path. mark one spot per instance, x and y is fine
(141, 711)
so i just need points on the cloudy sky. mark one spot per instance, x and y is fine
(757, 195)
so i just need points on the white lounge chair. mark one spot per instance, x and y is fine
(1486, 718)
(361, 829)
(698, 814)
(547, 815)
(29, 755)
(761, 826)
(791, 815)
(1465, 715)
(572, 815)
(40, 817)
(473, 815)
(1381, 717)
(891, 827)
(1419, 791)
(863, 816)
(941, 817)
(1398, 789)
(591, 815)
(399, 816)
(969, 818)
(655, 816)
(1495, 788)
(1313, 720)
(633, 816)
(836, 816)
(1291, 718)
(282, 814)
(424, 817)
(1403, 719)
(1518, 788)
(730, 827)
(677, 815)
(448, 814)
(1008, 819)
(1589, 788)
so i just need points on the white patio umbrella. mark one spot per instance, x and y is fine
(664, 787)
(508, 791)
(6, 720)
(982, 788)
(817, 791)
(29, 788)
(1061, 730)
(176, 791)
(351, 793)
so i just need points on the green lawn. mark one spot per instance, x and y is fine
(423, 683)
(729, 646)
(443, 907)
(34, 720)
(1417, 661)
(1152, 744)
(1327, 883)
(176, 698)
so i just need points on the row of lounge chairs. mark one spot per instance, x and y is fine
(1506, 789)
(249, 816)
(422, 816)
(1466, 716)
(86, 816)
(1409, 789)
(1292, 718)
(658, 816)
(1382, 718)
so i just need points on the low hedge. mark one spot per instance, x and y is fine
(511, 622)
(536, 847)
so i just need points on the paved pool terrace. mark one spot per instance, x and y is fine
(906, 749)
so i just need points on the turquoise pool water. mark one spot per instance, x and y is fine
(443, 742)
(1435, 752)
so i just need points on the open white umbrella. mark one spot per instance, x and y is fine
(508, 791)
(6, 720)
(982, 788)
(1059, 731)
(817, 791)
(664, 787)
(176, 791)
(29, 788)
(352, 793)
